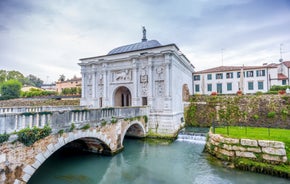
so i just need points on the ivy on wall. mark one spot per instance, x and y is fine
(249, 110)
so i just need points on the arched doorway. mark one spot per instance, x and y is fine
(122, 97)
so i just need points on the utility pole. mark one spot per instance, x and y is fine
(281, 59)
(222, 53)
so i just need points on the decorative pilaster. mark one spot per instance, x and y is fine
(105, 81)
(83, 82)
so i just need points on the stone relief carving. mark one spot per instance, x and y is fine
(101, 78)
(89, 79)
(143, 76)
(101, 88)
(144, 89)
(122, 75)
(159, 87)
(185, 93)
(160, 72)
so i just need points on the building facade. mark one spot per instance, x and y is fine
(140, 74)
(248, 79)
(75, 82)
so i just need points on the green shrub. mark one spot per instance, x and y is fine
(256, 117)
(10, 89)
(278, 88)
(103, 122)
(29, 136)
(4, 137)
(72, 127)
(85, 127)
(271, 114)
(272, 92)
(114, 120)
(60, 132)
(37, 92)
(145, 118)
(258, 93)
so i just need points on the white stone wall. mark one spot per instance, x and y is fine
(158, 74)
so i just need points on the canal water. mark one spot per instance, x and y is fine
(141, 162)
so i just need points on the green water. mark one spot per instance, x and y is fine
(144, 163)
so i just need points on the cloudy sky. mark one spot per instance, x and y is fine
(47, 38)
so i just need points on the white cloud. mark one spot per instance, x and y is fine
(46, 38)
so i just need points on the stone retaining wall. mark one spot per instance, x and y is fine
(260, 150)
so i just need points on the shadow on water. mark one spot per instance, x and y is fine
(55, 169)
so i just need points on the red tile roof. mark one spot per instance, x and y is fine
(287, 64)
(282, 76)
(233, 68)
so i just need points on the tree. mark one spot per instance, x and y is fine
(61, 78)
(34, 81)
(10, 89)
(14, 75)
(3, 75)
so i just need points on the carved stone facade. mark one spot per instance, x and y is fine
(152, 76)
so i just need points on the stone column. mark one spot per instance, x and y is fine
(150, 78)
(105, 86)
(135, 82)
(83, 82)
(168, 75)
(94, 87)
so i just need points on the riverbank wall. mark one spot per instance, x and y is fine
(254, 155)
(230, 148)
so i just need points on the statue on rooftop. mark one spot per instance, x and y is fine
(144, 39)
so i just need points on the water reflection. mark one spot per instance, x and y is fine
(143, 163)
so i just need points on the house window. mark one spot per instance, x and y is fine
(219, 88)
(196, 77)
(219, 76)
(209, 87)
(260, 73)
(250, 73)
(144, 100)
(229, 86)
(239, 74)
(250, 86)
(209, 77)
(260, 85)
(229, 75)
(197, 88)
(283, 82)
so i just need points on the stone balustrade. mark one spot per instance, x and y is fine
(261, 150)
(6, 110)
(62, 118)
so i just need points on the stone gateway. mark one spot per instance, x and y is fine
(146, 73)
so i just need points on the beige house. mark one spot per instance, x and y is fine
(70, 83)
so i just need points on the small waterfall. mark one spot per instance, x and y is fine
(197, 138)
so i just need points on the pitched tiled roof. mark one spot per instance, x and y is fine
(135, 47)
(287, 64)
(232, 68)
(282, 76)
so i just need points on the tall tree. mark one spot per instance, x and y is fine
(61, 78)
(3, 75)
(15, 75)
(34, 81)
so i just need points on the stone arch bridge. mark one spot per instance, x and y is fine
(98, 130)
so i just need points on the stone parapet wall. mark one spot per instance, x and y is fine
(19, 162)
(260, 150)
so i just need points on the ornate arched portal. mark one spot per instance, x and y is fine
(122, 97)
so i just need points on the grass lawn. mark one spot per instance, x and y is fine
(276, 134)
